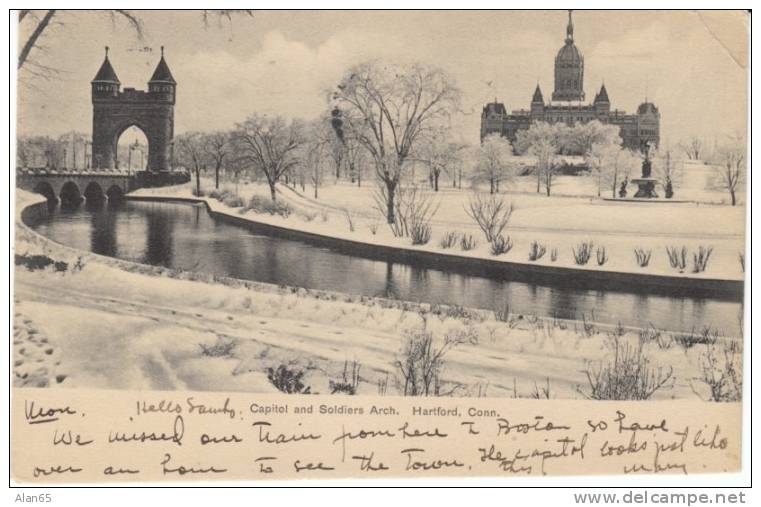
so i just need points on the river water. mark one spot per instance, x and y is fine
(187, 237)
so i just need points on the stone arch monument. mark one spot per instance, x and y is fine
(116, 110)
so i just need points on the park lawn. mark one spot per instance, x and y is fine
(558, 223)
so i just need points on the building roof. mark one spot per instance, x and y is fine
(537, 96)
(569, 53)
(647, 107)
(495, 107)
(162, 72)
(602, 96)
(106, 72)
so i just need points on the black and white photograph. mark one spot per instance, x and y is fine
(433, 205)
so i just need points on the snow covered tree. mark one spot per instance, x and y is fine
(543, 141)
(495, 162)
(440, 154)
(388, 109)
(270, 145)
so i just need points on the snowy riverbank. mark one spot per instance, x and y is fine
(114, 324)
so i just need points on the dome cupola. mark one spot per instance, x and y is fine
(569, 69)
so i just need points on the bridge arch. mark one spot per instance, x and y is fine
(115, 193)
(46, 189)
(94, 193)
(70, 194)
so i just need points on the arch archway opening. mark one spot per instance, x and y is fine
(132, 149)
(94, 196)
(115, 194)
(70, 195)
(46, 189)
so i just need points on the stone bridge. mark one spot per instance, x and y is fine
(73, 186)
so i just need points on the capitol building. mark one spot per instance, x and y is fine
(568, 105)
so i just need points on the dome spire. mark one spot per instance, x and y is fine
(569, 28)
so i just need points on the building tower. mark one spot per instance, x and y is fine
(602, 102)
(115, 111)
(569, 69)
(537, 103)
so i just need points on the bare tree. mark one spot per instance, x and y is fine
(217, 148)
(190, 153)
(495, 162)
(315, 152)
(730, 165)
(693, 148)
(356, 157)
(33, 24)
(667, 170)
(388, 109)
(270, 145)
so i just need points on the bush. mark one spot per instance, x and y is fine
(583, 252)
(233, 201)
(501, 245)
(420, 233)
(349, 381)
(217, 194)
(700, 259)
(468, 242)
(449, 240)
(219, 349)
(288, 381)
(422, 361)
(198, 192)
(542, 393)
(36, 262)
(643, 256)
(260, 204)
(602, 256)
(537, 251)
(721, 372)
(628, 376)
(492, 215)
(705, 336)
(677, 257)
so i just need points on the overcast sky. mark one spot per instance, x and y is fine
(691, 65)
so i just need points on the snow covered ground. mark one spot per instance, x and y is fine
(104, 323)
(559, 223)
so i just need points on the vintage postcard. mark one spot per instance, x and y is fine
(272, 245)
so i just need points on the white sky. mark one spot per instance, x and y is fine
(282, 62)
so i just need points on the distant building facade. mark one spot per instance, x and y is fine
(568, 106)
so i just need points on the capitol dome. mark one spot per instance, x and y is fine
(569, 53)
